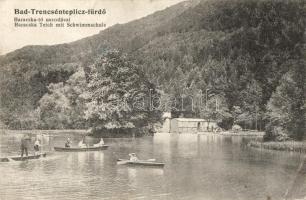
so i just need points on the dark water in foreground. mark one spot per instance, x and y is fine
(197, 167)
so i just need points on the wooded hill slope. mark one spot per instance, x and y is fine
(27, 72)
(246, 57)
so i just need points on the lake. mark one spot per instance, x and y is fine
(209, 167)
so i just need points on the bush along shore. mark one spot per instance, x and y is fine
(293, 146)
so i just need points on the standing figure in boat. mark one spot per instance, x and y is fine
(25, 144)
(36, 146)
(68, 143)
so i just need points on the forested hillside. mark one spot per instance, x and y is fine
(25, 74)
(245, 58)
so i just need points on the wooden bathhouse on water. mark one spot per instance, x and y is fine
(187, 125)
(191, 125)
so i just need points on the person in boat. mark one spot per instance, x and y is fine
(100, 144)
(36, 146)
(82, 143)
(68, 143)
(25, 144)
(133, 157)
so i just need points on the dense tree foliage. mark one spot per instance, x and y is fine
(117, 95)
(63, 106)
(228, 60)
(287, 106)
(235, 49)
(26, 73)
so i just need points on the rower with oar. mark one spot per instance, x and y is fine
(133, 157)
(135, 161)
(68, 143)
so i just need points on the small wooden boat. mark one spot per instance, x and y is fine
(19, 158)
(140, 163)
(77, 149)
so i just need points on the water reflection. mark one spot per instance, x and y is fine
(162, 142)
(187, 145)
(197, 167)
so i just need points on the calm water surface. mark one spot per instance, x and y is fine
(205, 167)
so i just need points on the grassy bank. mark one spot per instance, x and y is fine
(293, 146)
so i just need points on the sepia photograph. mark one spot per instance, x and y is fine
(153, 99)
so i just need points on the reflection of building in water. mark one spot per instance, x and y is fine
(191, 125)
(187, 146)
(162, 143)
(166, 123)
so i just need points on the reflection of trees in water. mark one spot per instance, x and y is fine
(228, 140)
(162, 146)
(89, 162)
(236, 140)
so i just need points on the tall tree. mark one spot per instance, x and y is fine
(63, 107)
(119, 95)
(286, 108)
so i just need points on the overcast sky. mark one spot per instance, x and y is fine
(118, 11)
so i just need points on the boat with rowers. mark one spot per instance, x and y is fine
(150, 162)
(78, 149)
(82, 146)
(24, 158)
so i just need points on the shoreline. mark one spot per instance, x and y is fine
(289, 146)
(46, 132)
(84, 131)
(240, 133)
(81, 132)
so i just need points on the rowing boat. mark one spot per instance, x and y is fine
(19, 158)
(140, 162)
(77, 149)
